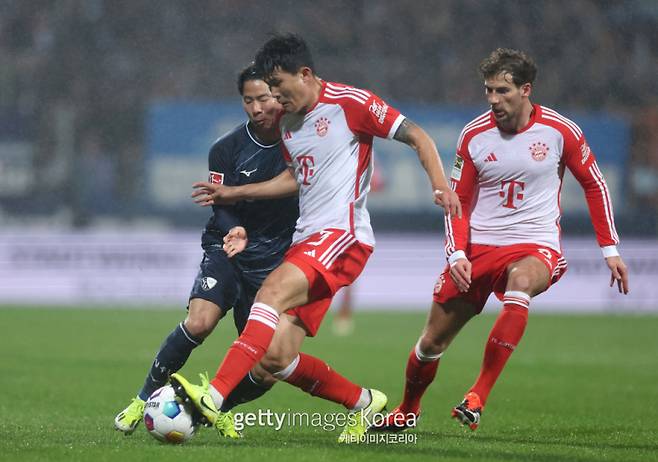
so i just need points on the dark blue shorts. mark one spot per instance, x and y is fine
(221, 283)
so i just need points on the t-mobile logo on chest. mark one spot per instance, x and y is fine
(307, 165)
(511, 190)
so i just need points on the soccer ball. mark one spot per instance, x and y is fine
(166, 418)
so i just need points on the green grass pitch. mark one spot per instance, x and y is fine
(578, 388)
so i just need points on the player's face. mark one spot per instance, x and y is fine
(291, 90)
(259, 104)
(505, 98)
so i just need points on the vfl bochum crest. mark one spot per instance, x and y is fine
(208, 283)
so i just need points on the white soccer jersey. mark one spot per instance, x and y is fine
(509, 183)
(330, 149)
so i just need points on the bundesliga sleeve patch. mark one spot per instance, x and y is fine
(216, 178)
(457, 168)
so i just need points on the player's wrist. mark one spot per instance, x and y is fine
(609, 251)
(456, 255)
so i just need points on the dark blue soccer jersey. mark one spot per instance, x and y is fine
(237, 158)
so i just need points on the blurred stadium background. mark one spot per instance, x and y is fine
(108, 108)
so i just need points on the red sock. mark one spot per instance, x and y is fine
(419, 375)
(248, 349)
(505, 335)
(315, 377)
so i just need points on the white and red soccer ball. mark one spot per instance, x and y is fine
(166, 418)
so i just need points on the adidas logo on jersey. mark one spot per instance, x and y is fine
(491, 158)
(310, 253)
(287, 135)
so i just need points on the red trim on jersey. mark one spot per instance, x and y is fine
(578, 157)
(352, 217)
(322, 89)
(458, 229)
(285, 153)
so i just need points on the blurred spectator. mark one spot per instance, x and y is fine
(108, 59)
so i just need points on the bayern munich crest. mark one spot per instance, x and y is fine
(539, 151)
(322, 126)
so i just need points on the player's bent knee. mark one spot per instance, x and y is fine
(275, 362)
(430, 345)
(201, 322)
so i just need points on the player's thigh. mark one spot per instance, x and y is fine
(202, 317)
(444, 322)
(286, 344)
(529, 275)
(286, 287)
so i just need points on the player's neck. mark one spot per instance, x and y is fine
(265, 136)
(315, 92)
(523, 118)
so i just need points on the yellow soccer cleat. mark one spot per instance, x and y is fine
(127, 420)
(359, 422)
(225, 425)
(197, 395)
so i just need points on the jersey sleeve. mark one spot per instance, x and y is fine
(463, 180)
(222, 171)
(580, 160)
(368, 114)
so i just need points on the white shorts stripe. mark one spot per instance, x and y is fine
(344, 236)
(338, 252)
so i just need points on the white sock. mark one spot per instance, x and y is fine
(217, 397)
(364, 400)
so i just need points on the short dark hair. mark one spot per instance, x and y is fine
(519, 65)
(251, 72)
(287, 52)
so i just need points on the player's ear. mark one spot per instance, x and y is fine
(306, 74)
(526, 89)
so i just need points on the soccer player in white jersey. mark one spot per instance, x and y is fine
(327, 131)
(508, 173)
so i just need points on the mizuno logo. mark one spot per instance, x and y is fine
(248, 173)
(491, 158)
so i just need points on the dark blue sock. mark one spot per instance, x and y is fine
(247, 390)
(173, 353)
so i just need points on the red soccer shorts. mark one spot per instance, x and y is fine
(330, 259)
(489, 271)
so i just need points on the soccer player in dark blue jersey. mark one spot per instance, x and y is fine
(242, 243)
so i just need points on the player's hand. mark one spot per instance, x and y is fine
(206, 194)
(235, 241)
(619, 273)
(460, 272)
(449, 200)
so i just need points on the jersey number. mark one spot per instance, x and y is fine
(324, 235)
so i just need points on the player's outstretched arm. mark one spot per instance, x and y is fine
(235, 241)
(282, 185)
(415, 137)
(619, 273)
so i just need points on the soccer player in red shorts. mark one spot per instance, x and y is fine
(508, 173)
(327, 131)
